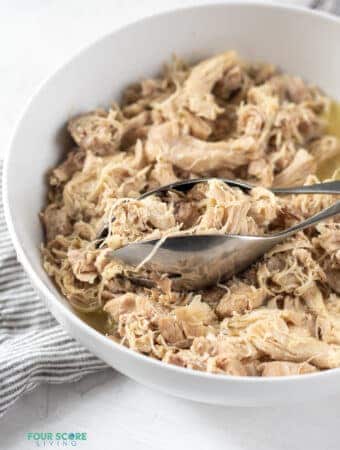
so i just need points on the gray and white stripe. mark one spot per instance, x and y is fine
(331, 6)
(34, 348)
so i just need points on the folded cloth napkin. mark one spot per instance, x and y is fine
(34, 348)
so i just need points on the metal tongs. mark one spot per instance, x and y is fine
(198, 261)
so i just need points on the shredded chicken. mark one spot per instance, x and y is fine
(222, 117)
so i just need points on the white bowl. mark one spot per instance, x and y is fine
(299, 41)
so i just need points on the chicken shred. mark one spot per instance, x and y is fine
(222, 117)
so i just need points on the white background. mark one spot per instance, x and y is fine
(36, 36)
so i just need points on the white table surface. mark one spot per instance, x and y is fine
(36, 36)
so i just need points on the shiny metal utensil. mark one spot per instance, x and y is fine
(195, 262)
(330, 187)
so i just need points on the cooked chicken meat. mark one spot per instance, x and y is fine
(222, 117)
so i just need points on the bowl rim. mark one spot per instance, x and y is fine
(44, 288)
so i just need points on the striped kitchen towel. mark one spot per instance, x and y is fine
(331, 6)
(34, 348)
